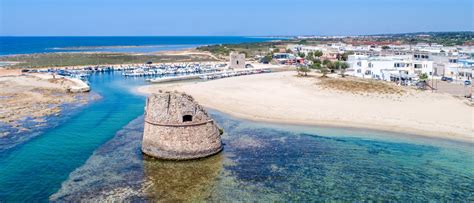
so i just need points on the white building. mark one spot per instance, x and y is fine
(388, 67)
(462, 71)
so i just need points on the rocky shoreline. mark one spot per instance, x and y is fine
(33, 97)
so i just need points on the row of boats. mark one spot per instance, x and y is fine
(143, 71)
(227, 74)
(209, 76)
(133, 70)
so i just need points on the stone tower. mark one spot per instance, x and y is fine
(178, 128)
(237, 61)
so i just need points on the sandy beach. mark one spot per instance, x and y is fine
(284, 98)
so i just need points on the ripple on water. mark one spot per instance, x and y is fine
(265, 164)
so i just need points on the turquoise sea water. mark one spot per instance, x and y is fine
(95, 154)
(35, 169)
(267, 162)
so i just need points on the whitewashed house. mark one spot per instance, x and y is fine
(388, 67)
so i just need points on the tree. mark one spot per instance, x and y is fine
(334, 66)
(310, 56)
(317, 61)
(324, 68)
(266, 59)
(315, 66)
(422, 83)
(326, 62)
(330, 65)
(303, 69)
(318, 53)
(342, 68)
(301, 54)
(345, 55)
(423, 77)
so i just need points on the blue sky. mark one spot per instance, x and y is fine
(231, 17)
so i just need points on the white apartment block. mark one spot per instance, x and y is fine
(389, 67)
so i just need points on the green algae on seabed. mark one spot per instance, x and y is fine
(263, 163)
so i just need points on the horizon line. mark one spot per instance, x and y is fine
(259, 36)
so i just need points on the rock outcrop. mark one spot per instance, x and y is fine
(178, 128)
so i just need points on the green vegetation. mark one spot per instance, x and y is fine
(78, 59)
(423, 77)
(328, 66)
(344, 56)
(266, 59)
(325, 68)
(341, 66)
(303, 70)
(301, 54)
(310, 56)
(250, 49)
(443, 38)
(318, 53)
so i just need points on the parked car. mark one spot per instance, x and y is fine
(467, 82)
(421, 85)
(447, 79)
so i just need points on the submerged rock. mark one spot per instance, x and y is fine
(178, 128)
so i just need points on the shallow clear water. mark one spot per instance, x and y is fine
(35, 169)
(265, 162)
(92, 155)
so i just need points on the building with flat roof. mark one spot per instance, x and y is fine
(388, 67)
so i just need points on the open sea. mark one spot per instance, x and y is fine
(93, 153)
(29, 45)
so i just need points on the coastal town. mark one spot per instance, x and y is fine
(422, 68)
(236, 101)
(414, 88)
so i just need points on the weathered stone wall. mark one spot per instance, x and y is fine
(237, 61)
(167, 136)
(169, 108)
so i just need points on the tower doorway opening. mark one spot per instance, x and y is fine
(187, 118)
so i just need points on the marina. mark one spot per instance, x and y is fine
(159, 73)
